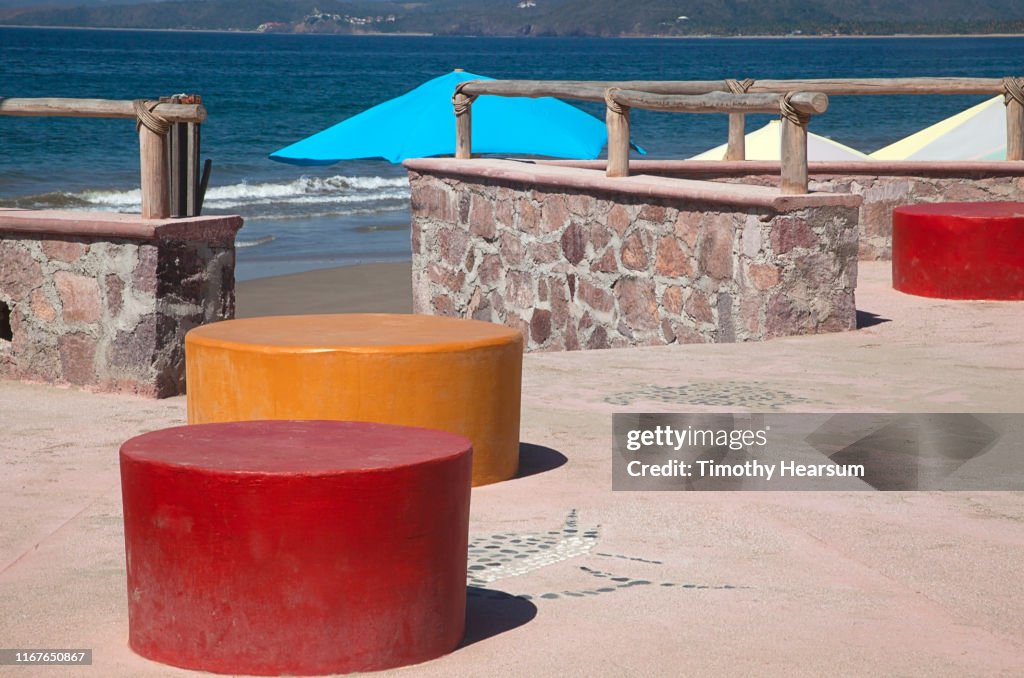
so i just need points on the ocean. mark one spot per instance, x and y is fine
(265, 91)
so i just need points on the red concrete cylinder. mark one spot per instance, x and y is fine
(295, 547)
(968, 250)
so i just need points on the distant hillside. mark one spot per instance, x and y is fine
(719, 17)
(69, 3)
(242, 15)
(544, 17)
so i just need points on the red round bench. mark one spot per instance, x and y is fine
(295, 547)
(967, 250)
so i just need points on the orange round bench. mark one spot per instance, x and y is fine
(461, 376)
(295, 547)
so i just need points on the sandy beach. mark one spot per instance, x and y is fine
(368, 288)
(670, 583)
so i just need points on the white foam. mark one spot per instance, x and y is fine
(255, 243)
(297, 194)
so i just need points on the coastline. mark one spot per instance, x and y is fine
(217, 31)
(765, 36)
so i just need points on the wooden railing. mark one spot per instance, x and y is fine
(796, 110)
(710, 96)
(172, 184)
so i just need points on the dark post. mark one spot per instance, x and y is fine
(184, 155)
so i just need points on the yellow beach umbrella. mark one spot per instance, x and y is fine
(766, 144)
(979, 133)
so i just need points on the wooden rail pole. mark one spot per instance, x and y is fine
(591, 90)
(1015, 131)
(1014, 118)
(97, 108)
(193, 172)
(804, 103)
(617, 121)
(737, 147)
(794, 157)
(154, 160)
(154, 153)
(184, 159)
(156, 194)
(177, 149)
(463, 104)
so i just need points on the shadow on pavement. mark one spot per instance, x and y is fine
(867, 319)
(534, 459)
(490, 612)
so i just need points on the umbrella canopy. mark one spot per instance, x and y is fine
(979, 133)
(421, 123)
(766, 144)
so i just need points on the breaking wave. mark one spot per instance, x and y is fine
(300, 198)
(255, 242)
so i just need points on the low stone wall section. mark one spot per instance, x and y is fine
(103, 301)
(574, 265)
(882, 185)
(883, 193)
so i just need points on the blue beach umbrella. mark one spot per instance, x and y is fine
(421, 123)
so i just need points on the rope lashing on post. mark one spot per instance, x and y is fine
(613, 105)
(1013, 90)
(739, 86)
(145, 116)
(462, 101)
(792, 114)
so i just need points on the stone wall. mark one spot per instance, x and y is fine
(883, 193)
(107, 312)
(589, 268)
(881, 185)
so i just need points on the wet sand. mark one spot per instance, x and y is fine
(368, 288)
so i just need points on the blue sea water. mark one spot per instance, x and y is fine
(265, 91)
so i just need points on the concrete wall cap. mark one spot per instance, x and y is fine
(114, 225)
(577, 178)
(929, 168)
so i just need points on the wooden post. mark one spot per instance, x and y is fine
(737, 148)
(617, 121)
(794, 157)
(177, 156)
(193, 172)
(155, 174)
(204, 182)
(154, 152)
(1014, 130)
(463, 104)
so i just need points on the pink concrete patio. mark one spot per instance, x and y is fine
(626, 584)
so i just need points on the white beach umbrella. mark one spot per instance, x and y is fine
(979, 133)
(766, 144)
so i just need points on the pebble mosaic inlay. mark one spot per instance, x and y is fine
(752, 395)
(509, 554)
(500, 556)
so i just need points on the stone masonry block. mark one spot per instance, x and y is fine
(588, 268)
(103, 301)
